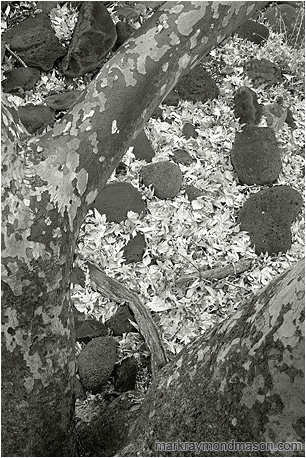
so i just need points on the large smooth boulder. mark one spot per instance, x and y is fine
(96, 362)
(35, 118)
(255, 156)
(93, 37)
(23, 78)
(165, 177)
(35, 42)
(267, 217)
(117, 199)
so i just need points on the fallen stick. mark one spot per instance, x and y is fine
(219, 272)
(116, 291)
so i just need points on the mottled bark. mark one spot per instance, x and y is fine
(48, 184)
(243, 381)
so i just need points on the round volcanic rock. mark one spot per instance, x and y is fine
(35, 118)
(143, 148)
(263, 72)
(96, 363)
(180, 156)
(165, 177)
(197, 86)
(189, 131)
(117, 199)
(247, 108)
(255, 156)
(125, 374)
(193, 192)
(267, 217)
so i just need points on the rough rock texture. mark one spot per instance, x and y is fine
(125, 374)
(124, 31)
(289, 119)
(180, 156)
(20, 78)
(134, 249)
(267, 217)
(289, 19)
(63, 101)
(172, 99)
(193, 192)
(165, 177)
(117, 199)
(35, 118)
(109, 425)
(197, 86)
(189, 131)
(35, 42)
(143, 147)
(247, 107)
(263, 72)
(119, 323)
(79, 391)
(96, 363)
(85, 330)
(93, 37)
(255, 156)
(253, 31)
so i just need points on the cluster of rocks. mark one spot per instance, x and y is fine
(97, 361)
(255, 155)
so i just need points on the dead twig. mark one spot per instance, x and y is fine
(15, 56)
(114, 290)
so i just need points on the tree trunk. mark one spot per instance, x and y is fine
(242, 382)
(48, 183)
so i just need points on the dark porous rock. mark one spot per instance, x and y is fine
(247, 107)
(263, 72)
(189, 131)
(117, 199)
(23, 78)
(35, 118)
(289, 119)
(109, 428)
(93, 37)
(120, 323)
(193, 192)
(197, 86)
(253, 31)
(173, 98)
(63, 101)
(165, 177)
(125, 374)
(121, 169)
(143, 147)
(46, 7)
(88, 329)
(255, 156)
(289, 19)
(35, 42)
(124, 31)
(134, 249)
(96, 363)
(267, 217)
(180, 156)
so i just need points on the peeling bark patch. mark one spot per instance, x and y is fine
(186, 21)
(251, 392)
(142, 50)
